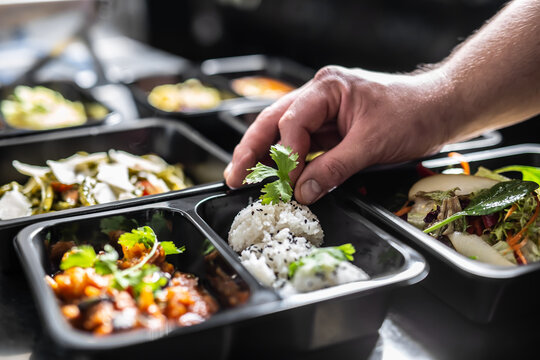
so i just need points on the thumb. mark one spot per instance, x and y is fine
(329, 170)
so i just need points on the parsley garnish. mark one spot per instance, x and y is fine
(280, 189)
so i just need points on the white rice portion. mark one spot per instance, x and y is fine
(258, 223)
(277, 254)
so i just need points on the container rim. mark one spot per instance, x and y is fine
(183, 129)
(60, 330)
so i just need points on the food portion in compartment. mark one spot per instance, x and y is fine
(279, 240)
(41, 108)
(261, 86)
(188, 95)
(104, 293)
(487, 216)
(230, 289)
(88, 179)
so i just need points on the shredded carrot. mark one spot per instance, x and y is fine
(521, 257)
(514, 239)
(404, 210)
(464, 164)
(512, 209)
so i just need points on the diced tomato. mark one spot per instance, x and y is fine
(59, 187)
(148, 188)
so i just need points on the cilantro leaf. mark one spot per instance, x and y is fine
(284, 159)
(318, 260)
(170, 248)
(106, 261)
(259, 173)
(148, 277)
(82, 256)
(142, 235)
(280, 189)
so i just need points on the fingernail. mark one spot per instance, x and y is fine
(310, 190)
(227, 170)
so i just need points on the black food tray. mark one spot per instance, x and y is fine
(71, 92)
(481, 292)
(205, 121)
(174, 142)
(296, 323)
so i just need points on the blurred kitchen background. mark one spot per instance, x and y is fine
(131, 38)
(390, 35)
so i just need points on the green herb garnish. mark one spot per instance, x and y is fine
(138, 276)
(146, 236)
(280, 189)
(491, 200)
(82, 256)
(319, 261)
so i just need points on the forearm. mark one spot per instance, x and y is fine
(495, 75)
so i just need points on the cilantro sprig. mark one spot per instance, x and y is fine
(281, 189)
(146, 236)
(138, 276)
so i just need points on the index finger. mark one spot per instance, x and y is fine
(257, 140)
(307, 113)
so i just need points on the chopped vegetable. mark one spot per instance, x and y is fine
(490, 201)
(98, 293)
(497, 223)
(281, 189)
(88, 179)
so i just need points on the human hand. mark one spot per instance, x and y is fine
(358, 117)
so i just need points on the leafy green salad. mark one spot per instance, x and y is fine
(486, 216)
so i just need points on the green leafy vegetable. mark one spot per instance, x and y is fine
(82, 256)
(136, 277)
(491, 200)
(484, 172)
(318, 258)
(170, 248)
(143, 235)
(148, 276)
(146, 236)
(106, 261)
(529, 173)
(280, 189)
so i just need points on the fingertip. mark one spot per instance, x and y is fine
(309, 191)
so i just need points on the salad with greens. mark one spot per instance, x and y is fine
(486, 216)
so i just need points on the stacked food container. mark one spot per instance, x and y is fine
(61, 191)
